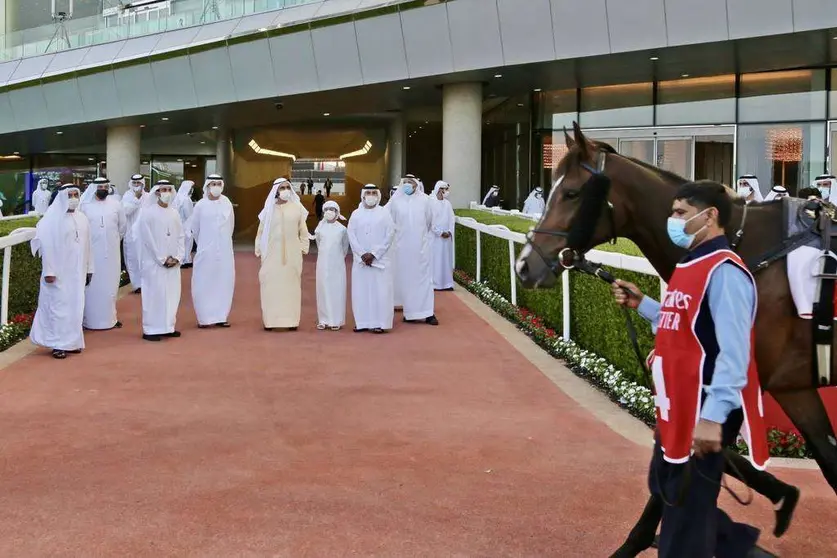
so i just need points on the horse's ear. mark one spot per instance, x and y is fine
(568, 140)
(580, 140)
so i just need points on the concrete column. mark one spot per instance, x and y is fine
(123, 155)
(462, 141)
(396, 151)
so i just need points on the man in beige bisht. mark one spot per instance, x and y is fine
(281, 241)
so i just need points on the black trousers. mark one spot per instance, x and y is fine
(692, 524)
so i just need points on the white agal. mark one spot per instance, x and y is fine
(63, 242)
(412, 216)
(161, 236)
(372, 231)
(107, 227)
(332, 247)
(213, 278)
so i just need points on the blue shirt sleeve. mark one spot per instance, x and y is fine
(731, 302)
(650, 310)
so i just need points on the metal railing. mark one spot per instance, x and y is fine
(611, 259)
(17, 236)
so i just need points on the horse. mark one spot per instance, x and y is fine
(636, 203)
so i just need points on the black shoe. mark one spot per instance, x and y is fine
(60, 355)
(138, 291)
(448, 289)
(186, 266)
(74, 352)
(222, 324)
(379, 331)
(151, 337)
(174, 334)
(203, 326)
(293, 328)
(118, 325)
(360, 329)
(785, 513)
(432, 321)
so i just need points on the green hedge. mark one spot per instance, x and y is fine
(25, 271)
(596, 323)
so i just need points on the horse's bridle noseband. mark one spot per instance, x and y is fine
(576, 253)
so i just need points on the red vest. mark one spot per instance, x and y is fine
(678, 364)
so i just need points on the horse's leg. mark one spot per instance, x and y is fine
(767, 485)
(642, 535)
(806, 410)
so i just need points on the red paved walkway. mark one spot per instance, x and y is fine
(235, 443)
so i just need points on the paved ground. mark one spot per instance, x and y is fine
(234, 443)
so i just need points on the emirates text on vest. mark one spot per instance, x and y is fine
(674, 304)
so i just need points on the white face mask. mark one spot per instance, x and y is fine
(73, 203)
(43, 185)
(165, 197)
(744, 191)
(370, 201)
(215, 191)
(330, 215)
(136, 186)
(445, 194)
(284, 195)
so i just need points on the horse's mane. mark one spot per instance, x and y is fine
(574, 158)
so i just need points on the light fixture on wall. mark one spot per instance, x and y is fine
(262, 151)
(362, 151)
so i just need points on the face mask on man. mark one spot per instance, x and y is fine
(445, 194)
(330, 215)
(744, 191)
(215, 191)
(408, 189)
(370, 201)
(284, 195)
(676, 229)
(42, 185)
(136, 186)
(73, 204)
(165, 197)
(101, 194)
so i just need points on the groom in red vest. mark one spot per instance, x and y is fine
(705, 378)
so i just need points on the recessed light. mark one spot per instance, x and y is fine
(654, 58)
(421, 127)
(215, 127)
(16, 153)
(498, 76)
(203, 142)
(684, 75)
(326, 114)
(91, 159)
(425, 121)
(180, 160)
(194, 166)
(520, 105)
(406, 88)
(58, 133)
(142, 125)
(165, 119)
(145, 162)
(538, 90)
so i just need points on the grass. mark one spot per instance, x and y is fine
(521, 225)
(8, 226)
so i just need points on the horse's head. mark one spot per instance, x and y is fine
(580, 213)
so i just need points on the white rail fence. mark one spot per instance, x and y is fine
(612, 259)
(17, 236)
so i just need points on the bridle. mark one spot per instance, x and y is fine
(594, 199)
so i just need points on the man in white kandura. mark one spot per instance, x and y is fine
(281, 241)
(132, 201)
(396, 296)
(534, 204)
(441, 241)
(184, 206)
(62, 239)
(213, 278)
(371, 235)
(411, 212)
(332, 247)
(107, 227)
(163, 243)
(41, 197)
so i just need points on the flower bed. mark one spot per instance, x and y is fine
(621, 388)
(17, 329)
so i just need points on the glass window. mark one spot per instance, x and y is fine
(783, 96)
(617, 105)
(790, 155)
(675, 155)
(709, 100)
(832, 95)
(556, 110)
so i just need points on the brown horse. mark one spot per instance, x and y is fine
(635, 205)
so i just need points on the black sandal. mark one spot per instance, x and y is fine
(60, 355)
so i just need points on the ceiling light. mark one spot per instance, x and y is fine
(498, 76)
(194, 166)
(9, 157)
(261, 151)
(91, 159)
(520, 105)
(215, 127)
(326, 114)
(362, 151)
(165, 119)
(142, 125)
(406, 88)
(203, 142)
(58, 133)
(180, 160)
(684, 75)
(654, 58)
(538, 90)
(16, 153)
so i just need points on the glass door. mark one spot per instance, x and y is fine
(832, 145)
(642, 149)
(677, 155)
